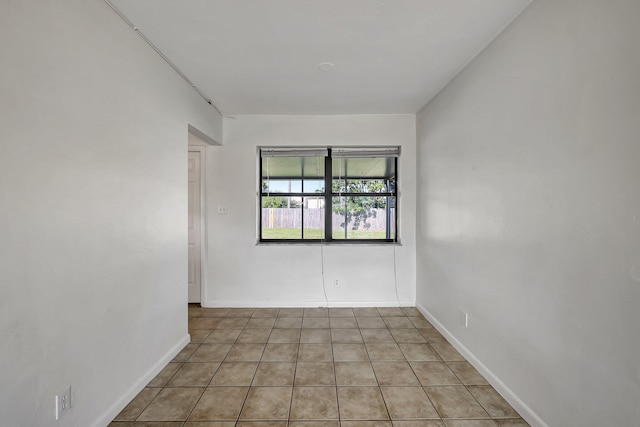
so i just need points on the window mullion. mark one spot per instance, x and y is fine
(260, 192)
(328, 197)
(388, 212)
(302, 218)
(301, 199)
(395, 200)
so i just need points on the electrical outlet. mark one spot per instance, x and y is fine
(222, 210)
(63, 402)
(336, 283)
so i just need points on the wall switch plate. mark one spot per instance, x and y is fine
(466, 320)
(222, 210)
(63, 402)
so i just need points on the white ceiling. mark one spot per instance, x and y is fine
(262, 56)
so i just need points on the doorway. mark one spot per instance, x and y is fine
(195, 223)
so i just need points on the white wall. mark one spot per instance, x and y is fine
(93, 210)
(529, 212)
(240, 273)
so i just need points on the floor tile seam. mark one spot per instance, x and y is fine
(442, 356)
(366, 349)
(458, 376)
(476, 399)
(275, 308)
(310, 420)
(214, 374)
(284, 317)
(208, 385)
(196, 404)
(430, 385)
(519, 417)
(483, 407)
(470, 418)
(292, 390)
(378, 383)
(304, 314)
(144, 409)
(251, 386)
(384, 401)
(320, 385)
(435, 408)
(293, 381)
(278, 318)
(244, 400)
(468, 391)
(359, 333)
(438, 418)
(335, 378)
(236, 361)
(160, 421)
(170, 378)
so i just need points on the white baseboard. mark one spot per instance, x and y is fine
(141, 383)
(523, 409)
(304, 304)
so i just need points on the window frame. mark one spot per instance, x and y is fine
(328, 194)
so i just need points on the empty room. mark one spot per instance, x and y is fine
(305, 213)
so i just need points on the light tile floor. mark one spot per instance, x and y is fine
(316, 367)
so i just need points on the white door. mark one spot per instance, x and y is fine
(195, 209)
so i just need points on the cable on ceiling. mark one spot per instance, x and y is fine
(163, 56)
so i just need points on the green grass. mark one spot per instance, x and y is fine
(294, 233)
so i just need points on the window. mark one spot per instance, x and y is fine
(328, 194)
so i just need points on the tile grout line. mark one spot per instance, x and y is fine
(291, 398)
(295, 370)
(386, 407)
(244, 401)
(288, 420)
(205, 388)
(225, 316)
(335, 376)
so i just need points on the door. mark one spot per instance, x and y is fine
(195, 211)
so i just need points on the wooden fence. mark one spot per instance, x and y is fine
(314, 219)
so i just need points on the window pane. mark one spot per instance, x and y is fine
(339, 185)
(363, 217)
(362, 186)
(313, 167)
(292, 167)
(281, 218)
(375, 167)
(281, 186)
(313, 218)
(338, 218)
(313, 186)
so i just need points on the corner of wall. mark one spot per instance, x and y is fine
(518, 404)
(141, 383)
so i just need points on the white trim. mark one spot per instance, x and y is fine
(365, 152)
(518, 404)
(304, 304)
(203, 218)
(206, 139)
(270, 151)
(141, 383)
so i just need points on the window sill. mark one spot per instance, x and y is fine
(332, 243)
